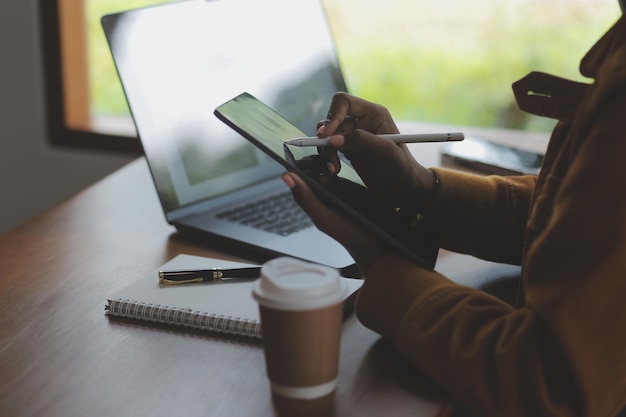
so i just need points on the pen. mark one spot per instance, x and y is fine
(206, 275)
(397, 138)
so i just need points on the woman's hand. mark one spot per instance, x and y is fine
(348, 113)
(364, 247)
(388, 169)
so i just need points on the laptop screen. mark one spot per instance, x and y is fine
(179, 61)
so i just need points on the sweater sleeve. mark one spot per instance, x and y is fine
(563, 353)
(484, 216)
(500, 361)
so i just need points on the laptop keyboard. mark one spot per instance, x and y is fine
(277, 214)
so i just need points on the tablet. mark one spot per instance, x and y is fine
(268, 130)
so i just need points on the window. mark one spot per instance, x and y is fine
(445, 61)
(85, 103)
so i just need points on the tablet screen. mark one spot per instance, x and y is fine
(264, 126)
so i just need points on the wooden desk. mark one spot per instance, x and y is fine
(61, 356)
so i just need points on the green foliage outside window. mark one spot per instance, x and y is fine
(447, 61)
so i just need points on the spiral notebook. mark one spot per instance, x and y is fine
(221, 307)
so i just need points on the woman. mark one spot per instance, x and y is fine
(562, 350)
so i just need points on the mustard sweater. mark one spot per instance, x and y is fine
(562, 352)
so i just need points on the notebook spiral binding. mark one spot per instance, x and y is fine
(184, 317)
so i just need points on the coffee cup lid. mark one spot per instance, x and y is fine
(292, 284)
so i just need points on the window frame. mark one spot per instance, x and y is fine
(59, 133)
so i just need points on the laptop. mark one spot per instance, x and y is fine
(177, 62)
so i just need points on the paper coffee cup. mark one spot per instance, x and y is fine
(301, 306)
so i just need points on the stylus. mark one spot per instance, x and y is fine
(397, 138)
